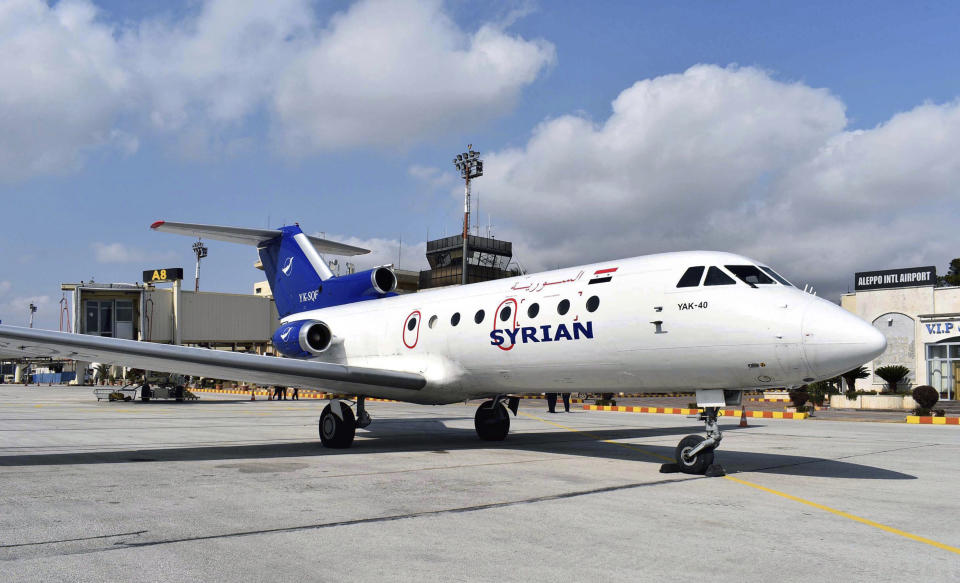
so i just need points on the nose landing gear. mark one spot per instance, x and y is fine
(694, 453)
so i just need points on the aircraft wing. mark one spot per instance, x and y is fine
(219, 364)
(254, 237)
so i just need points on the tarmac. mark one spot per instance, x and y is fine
(225, 489)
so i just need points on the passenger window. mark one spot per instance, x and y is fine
(717, 277)
(593, 303)
(533, 310)
(432, 322)
(691, 277)
(411, 324)
(750, 274)
(505, 314)
(478, 317)
(563, 307)
(455, 319)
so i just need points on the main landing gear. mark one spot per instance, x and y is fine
(492, 421)
(338, 424)
(694, 453)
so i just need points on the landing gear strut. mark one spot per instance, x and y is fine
(492, 421)
(694, 453)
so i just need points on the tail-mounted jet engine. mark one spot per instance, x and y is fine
(364, 285)
(302, 338)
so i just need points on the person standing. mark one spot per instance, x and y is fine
(296, 394)
(566, 402)
(551, 402)
(283, 391)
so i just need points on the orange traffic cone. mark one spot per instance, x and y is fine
(743, 416)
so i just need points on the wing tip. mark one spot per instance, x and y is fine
(157, 224)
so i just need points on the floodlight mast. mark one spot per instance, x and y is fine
(470, 166)
(33, 310)
(200, 250)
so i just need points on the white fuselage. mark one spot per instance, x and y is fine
(644, 335)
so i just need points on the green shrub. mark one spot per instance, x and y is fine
(893, 374)
(851, 377)
(925, 396)
(819, 391)
(799, 397)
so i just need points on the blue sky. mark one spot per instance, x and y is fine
(817, 136)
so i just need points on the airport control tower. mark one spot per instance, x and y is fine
(487, 259)
(467, 258)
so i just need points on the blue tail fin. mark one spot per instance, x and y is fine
(294, 269)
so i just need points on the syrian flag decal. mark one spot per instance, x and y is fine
(603, 275)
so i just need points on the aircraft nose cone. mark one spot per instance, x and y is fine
(835, 341)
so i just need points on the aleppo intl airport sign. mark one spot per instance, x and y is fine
(893, 278)
(162, 275)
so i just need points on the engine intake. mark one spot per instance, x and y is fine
(302, 339)
(384, 280)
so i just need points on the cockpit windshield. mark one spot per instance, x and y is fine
(750, 274)
(776, 276)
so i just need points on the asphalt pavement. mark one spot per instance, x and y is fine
(225, 489)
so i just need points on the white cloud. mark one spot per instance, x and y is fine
(63, 86)
(431, 176)
(15, 311)
(411, 255)
(122, 253)
(388, 73)
(385, 73)
(733, 159)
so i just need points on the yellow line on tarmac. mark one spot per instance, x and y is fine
(847, 515)
(853, 517)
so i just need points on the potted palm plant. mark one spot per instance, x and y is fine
(892, 374)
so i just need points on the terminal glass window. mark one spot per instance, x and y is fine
(99, 317)
(943, 367)
(109, 318)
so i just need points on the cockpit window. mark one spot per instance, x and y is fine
(691, 277)
(717, 277)
(776, 276)
(750, 274)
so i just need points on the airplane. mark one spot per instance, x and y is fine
(718, 323)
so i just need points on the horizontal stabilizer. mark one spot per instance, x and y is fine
(251, 236)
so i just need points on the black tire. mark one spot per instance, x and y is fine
(179, 394)
(697, 465)
(335, 432)
(492, 422)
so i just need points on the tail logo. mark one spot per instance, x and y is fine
(287, 268)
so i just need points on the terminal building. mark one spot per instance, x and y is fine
(920, 321)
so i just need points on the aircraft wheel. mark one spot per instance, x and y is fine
(335, 432)
(699, 463)
(492, 422)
